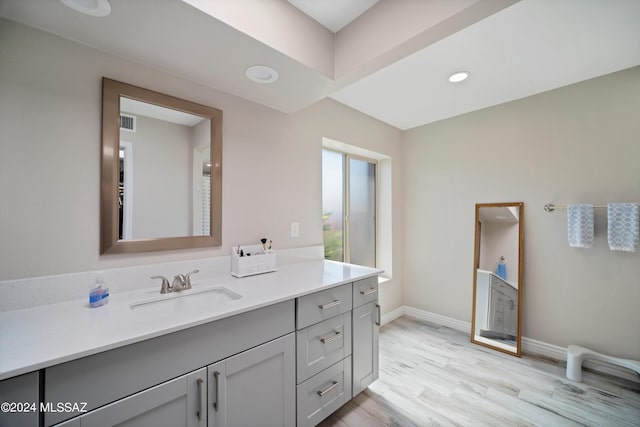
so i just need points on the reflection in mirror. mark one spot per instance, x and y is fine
(497, 291)
(159, 188)
(161, 148)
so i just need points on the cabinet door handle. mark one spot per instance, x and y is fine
(328, 389)
(216, 381)
(335, 336)
(330, 304)
(369, 292)
(379, 319)
(199, 412)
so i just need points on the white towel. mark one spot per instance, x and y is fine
(624, 230)
(580, 225)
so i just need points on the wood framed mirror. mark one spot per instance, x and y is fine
(497, 277)
(161, 172)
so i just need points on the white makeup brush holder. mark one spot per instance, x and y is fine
(255, 260)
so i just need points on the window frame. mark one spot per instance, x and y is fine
(346, 204)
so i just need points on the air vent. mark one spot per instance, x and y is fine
(128, 122)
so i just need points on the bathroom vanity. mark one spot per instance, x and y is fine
(496, 307)
(294, 347)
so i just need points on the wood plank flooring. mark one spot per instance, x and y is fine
(433, 376)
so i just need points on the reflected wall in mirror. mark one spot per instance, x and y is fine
(161, 171)
(497, 285)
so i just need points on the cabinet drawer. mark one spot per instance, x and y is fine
(365, 290)
(322, 305)
(324, 393)
(323, 344)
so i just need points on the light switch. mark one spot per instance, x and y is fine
(295, 229)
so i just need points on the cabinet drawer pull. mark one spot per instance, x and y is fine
(199, 412)
(328, 389)
(369, 292)
(216, 378)
(335, 336)
(330, 304)
(379, 319)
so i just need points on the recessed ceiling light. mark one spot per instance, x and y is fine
(90, 7)
(459, 76)
(261, 74)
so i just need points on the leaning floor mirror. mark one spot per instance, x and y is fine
(497, 277)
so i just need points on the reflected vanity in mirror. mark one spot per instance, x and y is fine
(497, 273)
(161, 183)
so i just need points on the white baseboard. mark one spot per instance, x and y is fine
(529, 345)
(438, 319)
(392, 315)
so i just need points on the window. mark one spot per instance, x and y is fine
(349, 187)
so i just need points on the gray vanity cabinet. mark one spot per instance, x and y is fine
(20, 390)
(108, 377)
(366, 322)
(496, 307)
(235, 371)
(255, 387)
(179, 402)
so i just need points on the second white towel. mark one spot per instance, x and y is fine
(623, 228)
(580, 225)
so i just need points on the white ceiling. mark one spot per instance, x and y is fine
(512, 48)
(528, 48)
(333, 14)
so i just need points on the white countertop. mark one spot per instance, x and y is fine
(43, 336)
(491, 273)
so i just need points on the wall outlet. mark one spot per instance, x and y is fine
(295, 229)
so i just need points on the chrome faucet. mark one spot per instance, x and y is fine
(180, 282)
(166, 287)
(187, 279)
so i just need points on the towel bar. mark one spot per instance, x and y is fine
(550, 207)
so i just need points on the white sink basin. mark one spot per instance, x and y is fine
(192, 297)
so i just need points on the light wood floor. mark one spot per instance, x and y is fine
(433, 376)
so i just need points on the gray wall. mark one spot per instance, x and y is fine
(575, 144)
(50, 111)
(162, 178)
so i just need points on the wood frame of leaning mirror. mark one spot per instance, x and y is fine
(476, 262)
(110, 243)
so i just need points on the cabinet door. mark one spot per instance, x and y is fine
(21, 390)
(179, 402)
(365, 345)
(73, 422)
(255, 388)
(510, 316)
(496, 311)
